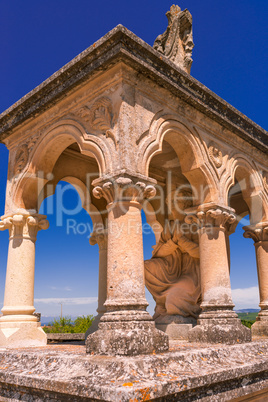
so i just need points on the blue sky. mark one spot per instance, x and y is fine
(38, 38)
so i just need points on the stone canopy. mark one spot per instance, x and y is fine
(122, 46)
(114, 122)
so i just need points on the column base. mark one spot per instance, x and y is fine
(260, 329)
(22, 334)
(94, 326)
(126, 338)
(229, 331)
(175, 326)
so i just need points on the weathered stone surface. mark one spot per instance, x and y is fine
(185, 373)
(259, 329)
(127, 338)
(229, 331)
(65, 337)
(175, 326)
(176, 43)
(175, 331)
(124, 119)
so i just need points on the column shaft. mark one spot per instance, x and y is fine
(262, 266)
(217, 321)
(100, 238)
(214, 267)
(259, 233)
(126, 328)
(19, 289)
(125, 275)
(18, 325)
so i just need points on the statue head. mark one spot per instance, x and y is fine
(177, 201)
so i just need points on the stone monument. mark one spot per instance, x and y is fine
(128, 126)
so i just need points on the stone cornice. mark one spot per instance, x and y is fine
(121, 45)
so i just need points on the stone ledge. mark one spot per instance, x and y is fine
(65, 337)
(185, 373)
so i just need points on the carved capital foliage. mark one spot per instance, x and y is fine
(124, 189)
(23, 225)
(215, 155)
(212, 217)
(99, 238)
(257, 232)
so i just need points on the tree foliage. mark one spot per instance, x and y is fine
(66, 325)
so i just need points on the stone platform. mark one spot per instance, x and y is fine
(187, 372)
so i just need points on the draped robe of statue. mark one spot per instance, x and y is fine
(172, 275)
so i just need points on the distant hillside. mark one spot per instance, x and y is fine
(248, 310)
(248, 316)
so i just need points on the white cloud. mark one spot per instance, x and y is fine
(68, 300)
(67, 288)
(246, 298)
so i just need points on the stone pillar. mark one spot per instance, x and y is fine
(18, 326)
(126, 328)
(100, 238)
(259, 233)
(217, 321)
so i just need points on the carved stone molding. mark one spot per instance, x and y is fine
(100, 117)
(257, 232)
(176, 42)
(21, 159)
(30, 142)
(265, 180)
(23, 225)
(215, 155)
(212, 217)
(124, 189)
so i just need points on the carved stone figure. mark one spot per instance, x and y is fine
(172, 275)
(176, 42)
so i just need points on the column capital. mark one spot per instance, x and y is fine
(211, 215)
(258, 232)
(24, 225)
(99, 238)
(124, 187)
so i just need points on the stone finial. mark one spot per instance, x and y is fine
(176, 43)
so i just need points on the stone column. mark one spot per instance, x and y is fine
(100, 238)
(126, 328)
(18, 325)
(259, 233)
(217, 321)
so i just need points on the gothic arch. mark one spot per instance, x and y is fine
(245, 174)
(85, 197)
(188, 148)
(46, 153)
